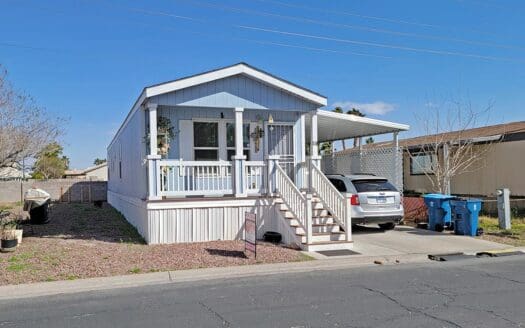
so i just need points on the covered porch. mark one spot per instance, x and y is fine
(290, 147)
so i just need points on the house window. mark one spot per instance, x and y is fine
(205, 141)
(230, 140)
(422, 163)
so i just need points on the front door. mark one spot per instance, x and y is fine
(280, 141)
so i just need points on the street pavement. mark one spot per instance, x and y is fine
(487, 292)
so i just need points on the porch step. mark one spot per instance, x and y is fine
(329, 246)
(318, 228)
(320, 213)
(323, 220)
(323, 237)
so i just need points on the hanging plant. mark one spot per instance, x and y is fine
(165, 134)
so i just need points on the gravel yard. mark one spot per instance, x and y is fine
(83, 241)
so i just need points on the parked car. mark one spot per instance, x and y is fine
(374, 199)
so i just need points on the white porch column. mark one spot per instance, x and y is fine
(396, 169)
(153, 157)
(315, 158)
(239, 158)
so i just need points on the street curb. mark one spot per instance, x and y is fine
(157, 278)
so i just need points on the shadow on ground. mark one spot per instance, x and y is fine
(84, 221)
(226, 253)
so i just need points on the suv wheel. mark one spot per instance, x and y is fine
(387, 226)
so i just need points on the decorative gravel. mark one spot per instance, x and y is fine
(83, 241)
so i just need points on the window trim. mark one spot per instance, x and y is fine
(433, 158)
(222, 148)
(244, 148)
(207, 148)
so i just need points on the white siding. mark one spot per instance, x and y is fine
(197, 221)
(235, 91)
(129, 152)
(181, 119)
(134, 210)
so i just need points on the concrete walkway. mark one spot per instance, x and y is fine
(400, 246)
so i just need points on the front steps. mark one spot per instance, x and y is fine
(326, 232)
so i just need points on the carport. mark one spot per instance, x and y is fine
(384, 161)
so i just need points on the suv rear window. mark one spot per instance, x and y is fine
(338, 184)
(373, 185)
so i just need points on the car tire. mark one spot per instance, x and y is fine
(387, 226)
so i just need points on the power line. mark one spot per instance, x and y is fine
(376, 44)
(355, 27)
(378, 18)
(362, 43)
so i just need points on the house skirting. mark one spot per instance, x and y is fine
(199, 219)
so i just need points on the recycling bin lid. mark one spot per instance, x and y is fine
(439, 196)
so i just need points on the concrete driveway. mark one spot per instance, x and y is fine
(403, 240)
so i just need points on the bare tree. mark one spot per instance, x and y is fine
(25, 128)
(448, 149)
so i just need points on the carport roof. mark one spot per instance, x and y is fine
(336, 126)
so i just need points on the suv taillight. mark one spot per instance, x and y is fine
(354, 200)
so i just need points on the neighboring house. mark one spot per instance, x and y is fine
(13, 172)
(503, 154)
(96, 173)
(501, 164)
(237, 143)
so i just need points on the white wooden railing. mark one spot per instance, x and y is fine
(186, 178)
(300, 205)
(255, 177)
(331, 198)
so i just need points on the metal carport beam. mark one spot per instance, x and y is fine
(336, 126)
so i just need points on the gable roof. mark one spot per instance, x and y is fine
(239, 68)
(220, 73)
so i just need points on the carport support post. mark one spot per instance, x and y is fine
(239, 158)
(315, 159)
(153, 156)
(395, 172)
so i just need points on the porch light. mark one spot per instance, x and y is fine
(270, 119)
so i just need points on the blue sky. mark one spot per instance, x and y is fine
(89, 60)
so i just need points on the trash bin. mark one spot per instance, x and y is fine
(465, 215)
(36, 202)
(439, 211)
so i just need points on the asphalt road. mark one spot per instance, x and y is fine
(471, 293)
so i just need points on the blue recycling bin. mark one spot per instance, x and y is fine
(439, 211)
(465, 214)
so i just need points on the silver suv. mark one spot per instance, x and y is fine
(373, 199)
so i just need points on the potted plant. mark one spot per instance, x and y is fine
(8, 239)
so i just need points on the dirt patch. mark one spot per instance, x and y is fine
(83, 241)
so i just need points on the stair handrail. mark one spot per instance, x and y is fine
(331, 198)
(293, 198)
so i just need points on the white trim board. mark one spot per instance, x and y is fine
(211, 203)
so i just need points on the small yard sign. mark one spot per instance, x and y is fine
(250, 228)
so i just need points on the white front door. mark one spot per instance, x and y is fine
(280, 141)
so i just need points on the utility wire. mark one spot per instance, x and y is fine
(376, 44)
(377, 18)
(348, 26)
(348, 41)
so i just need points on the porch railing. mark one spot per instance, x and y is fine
(186, 178)
(331, 198)
(255, 177)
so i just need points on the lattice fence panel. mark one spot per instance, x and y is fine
(385, 162)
